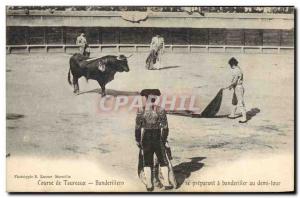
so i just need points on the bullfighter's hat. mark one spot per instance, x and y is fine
(233, 61)
(147, 92)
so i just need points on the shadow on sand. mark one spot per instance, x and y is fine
(183, 170)
(112, 92)
(168, 67)
(252, 113)
(14, 116)
(191, 114)
(216, 116)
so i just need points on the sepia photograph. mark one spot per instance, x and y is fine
(150, 99)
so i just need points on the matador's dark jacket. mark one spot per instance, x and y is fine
(153, 121)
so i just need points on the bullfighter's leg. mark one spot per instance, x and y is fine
(75, 84)
(148, 162)
(155, 173)
(158, 60)
(241, 103)
(163, 162)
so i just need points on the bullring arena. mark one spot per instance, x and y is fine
(53, 132)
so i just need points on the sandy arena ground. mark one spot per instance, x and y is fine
(57, 132)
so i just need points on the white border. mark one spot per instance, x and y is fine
(107, 2)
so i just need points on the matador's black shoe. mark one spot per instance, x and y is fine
(150, 189)
(168, 187)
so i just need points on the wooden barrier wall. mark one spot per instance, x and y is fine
(173, 36)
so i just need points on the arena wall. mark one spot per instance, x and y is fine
(57, 32)
(173, 36)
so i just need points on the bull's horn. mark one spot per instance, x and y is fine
(129, 56)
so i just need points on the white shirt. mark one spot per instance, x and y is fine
(237, 76)
(157, 43)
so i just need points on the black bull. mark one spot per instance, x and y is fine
(82, 66)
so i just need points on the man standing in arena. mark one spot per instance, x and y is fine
(82, 43)
(156, 49)
(238, 90)
(151, 133)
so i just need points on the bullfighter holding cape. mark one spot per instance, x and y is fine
(154, 59)
(151, 133)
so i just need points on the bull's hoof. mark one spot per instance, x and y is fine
(103, 94)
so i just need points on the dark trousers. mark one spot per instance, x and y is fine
(152, 143)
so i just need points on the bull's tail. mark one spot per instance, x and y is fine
(69, 77)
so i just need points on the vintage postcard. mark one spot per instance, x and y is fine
(150, 99)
